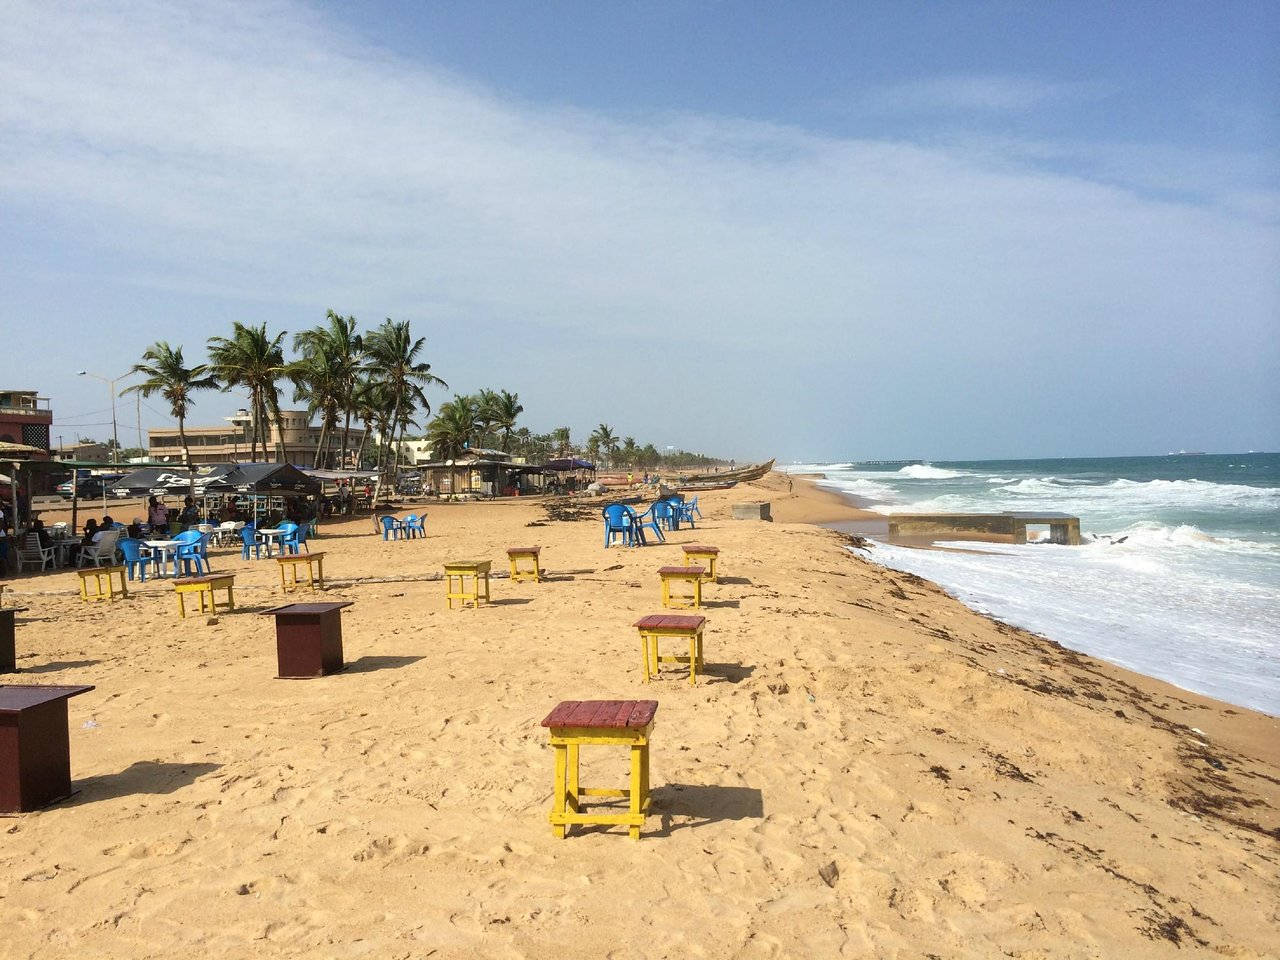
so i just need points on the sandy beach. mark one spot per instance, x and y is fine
(980, 791)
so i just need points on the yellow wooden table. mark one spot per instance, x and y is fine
(615, 723)
(696, 554)
(689, 575)
(517, 556)
(460, 570)
(315, 574)
(99, 576)
(203, 587)
(681, 627)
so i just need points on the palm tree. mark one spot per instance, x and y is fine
(252, 359)
(168, 375)
(317, 380)
(560, 437)
(502, 410)
(338, 340)
(629, 451)
(392, 356)
(454, 428)
(605, 440)
(486, 402)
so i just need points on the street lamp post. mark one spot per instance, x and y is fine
(115, 430)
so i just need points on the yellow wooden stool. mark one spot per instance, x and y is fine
(700, 555)
(518, 571)
(477, 570)
(204, 586)
(689, 575)
(98, 574)
(290, 561)
(620, 723)
(681, 627)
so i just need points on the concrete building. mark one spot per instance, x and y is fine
(25, 417)
(295, 432)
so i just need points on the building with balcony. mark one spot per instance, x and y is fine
(295, 433)
(25, 417)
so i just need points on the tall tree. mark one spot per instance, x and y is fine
(252, 359)
(167, 374)
(563, 445)
(338, 340)
(629, 451)
(502, 409)
(455, 427)
(394, 357)
(317, 380)
(605, 440)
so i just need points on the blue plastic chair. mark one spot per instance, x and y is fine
(391, 527)
(414, 525)
(619, 521)
(292, 538)
(193, 552)
(664, 512)
(249, 539)
(685, 510)
(646, 521)
(135, 559)
(693, 507)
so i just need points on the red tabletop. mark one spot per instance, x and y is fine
(302, 609)
(700, 548)
(672, 621)
(616, 714)
(14, 698)
(686, 571)
(206, 578)
(511, 550)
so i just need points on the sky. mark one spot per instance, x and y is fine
(815, 231)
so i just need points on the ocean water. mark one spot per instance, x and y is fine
(1179, 578)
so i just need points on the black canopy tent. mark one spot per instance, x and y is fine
(256, 479)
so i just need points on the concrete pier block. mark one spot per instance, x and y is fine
(752, 510)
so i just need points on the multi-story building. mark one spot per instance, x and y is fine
(25, 417)
(294, 433)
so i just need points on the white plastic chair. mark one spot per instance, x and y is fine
(102, 551)
(32, 552)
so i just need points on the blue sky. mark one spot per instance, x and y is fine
(803, 230)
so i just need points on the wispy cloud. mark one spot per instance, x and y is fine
(987, 94)
(249, 151)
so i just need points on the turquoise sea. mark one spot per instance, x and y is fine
(1179, 577)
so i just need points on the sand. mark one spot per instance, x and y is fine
(980, 791)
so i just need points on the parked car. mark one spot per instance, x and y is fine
(91, 488)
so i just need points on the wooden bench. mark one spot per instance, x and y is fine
(689, 575)
(701, 555)
(204, 586)
(290, 561)
(682, 627)
(617, 723)
(520, 572)
(98, 574)
(460, 570)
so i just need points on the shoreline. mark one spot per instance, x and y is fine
(977, 788)
(1262, 736)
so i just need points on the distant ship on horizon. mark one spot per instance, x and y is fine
(1187, 453)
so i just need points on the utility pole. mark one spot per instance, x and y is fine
(115, 427)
